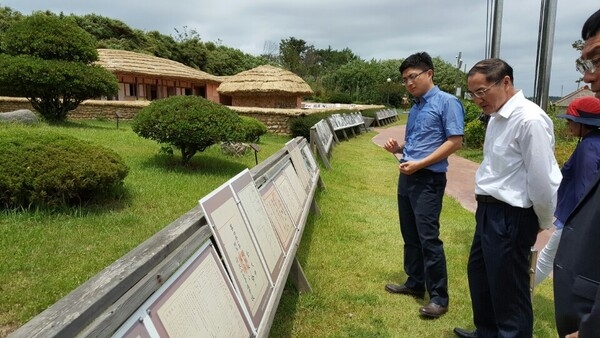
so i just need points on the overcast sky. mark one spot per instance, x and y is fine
(372, 29)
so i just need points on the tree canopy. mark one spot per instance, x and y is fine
(48, 59)
(331, 73)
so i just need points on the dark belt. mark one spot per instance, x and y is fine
(487, 199)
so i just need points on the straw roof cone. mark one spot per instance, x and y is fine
(264, 80)
(126, 62)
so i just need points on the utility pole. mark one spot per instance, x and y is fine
(389, 81)
(458, 67)
(544, 53)
(497, 28)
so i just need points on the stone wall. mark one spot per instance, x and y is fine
(276, 120)
(91, 109)
(263, 101)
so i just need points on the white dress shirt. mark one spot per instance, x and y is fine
(519, 166)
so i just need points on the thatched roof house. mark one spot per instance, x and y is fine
(147, 77)
(265, 86)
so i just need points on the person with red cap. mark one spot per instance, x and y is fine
(583, 118)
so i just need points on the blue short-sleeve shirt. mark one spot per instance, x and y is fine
(431, 121)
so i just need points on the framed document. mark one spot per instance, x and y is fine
(198, 300)
(241, 255)
(264, 232)
(287, 185)
(309, 159)
(299, 165)
(279, 215)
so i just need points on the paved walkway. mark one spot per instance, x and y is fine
(461, 177)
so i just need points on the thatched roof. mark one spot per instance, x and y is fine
(122, 61)
(265, 80)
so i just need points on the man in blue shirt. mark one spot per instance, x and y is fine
(434, 131)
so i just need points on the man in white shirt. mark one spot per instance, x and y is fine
(515, 188)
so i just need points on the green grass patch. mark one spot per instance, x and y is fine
(348, 252)
(354, 248)
(48, 253)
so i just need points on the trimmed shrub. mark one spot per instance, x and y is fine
(300, 125)
(253, 129)
(472, 111)
(474, 133)
(53, 170)
(340, 97)
(188, 123)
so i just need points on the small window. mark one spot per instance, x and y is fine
(132, 90)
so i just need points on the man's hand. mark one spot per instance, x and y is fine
(410, 167)
(573, 335)
(391, 145)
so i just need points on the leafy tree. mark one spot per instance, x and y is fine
(331, 59)
(222, 60)
(111, 33)
(578, 46)
(7, 18)
(447, 76)
(188, 123)
(292, 52)
(190, 51)
(49, 60)
(358, 78)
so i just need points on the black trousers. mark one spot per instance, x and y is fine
(498, 270)
(420, 198)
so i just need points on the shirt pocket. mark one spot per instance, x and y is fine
(500, 161)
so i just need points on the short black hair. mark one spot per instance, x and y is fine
(591, 27)
(494, 70)
(420, 61)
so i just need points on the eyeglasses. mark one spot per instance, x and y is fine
(587, 66)
(412, 77)
(480, 93)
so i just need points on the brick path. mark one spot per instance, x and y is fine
(461, 177)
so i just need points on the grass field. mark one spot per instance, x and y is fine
(348, 252)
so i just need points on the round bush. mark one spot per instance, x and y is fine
(253, 129)
(189, 123)
(48, 169)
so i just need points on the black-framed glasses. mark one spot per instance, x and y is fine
(412, 77)
(587, 66)
(480, 93)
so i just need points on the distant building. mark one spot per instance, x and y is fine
(265, 87)
(563, 103)
(147, 77)
(144, 77)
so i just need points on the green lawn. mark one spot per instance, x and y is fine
(348, 252)
(354, 248)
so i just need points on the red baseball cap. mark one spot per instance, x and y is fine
(584, 110)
